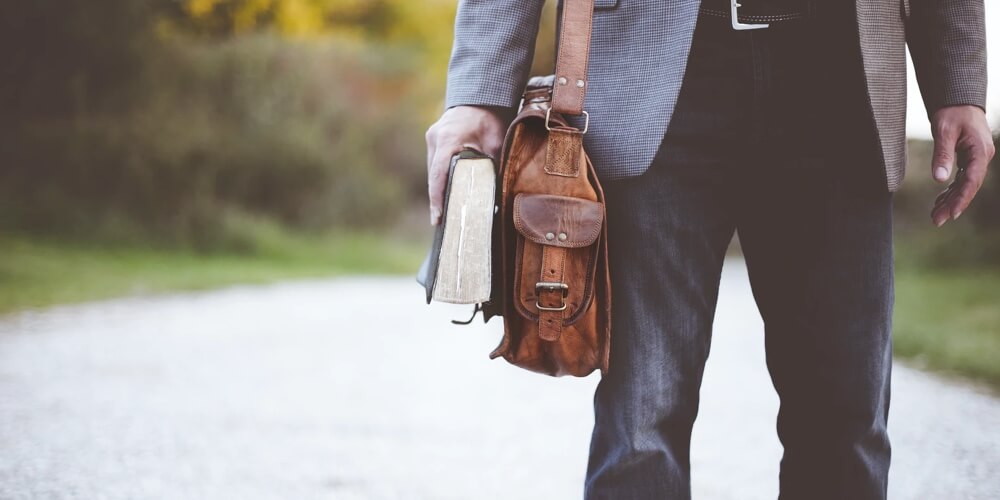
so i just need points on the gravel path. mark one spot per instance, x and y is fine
(354, 389)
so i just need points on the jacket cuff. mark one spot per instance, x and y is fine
(481, 97)
(977, 99)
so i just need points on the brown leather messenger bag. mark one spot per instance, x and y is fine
(550, 267)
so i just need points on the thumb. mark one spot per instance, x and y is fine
(943, 159)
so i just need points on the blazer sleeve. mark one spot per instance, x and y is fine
(947, 41)
(492, 52)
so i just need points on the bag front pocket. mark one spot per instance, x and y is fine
(556, 254)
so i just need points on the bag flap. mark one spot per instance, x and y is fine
(562, 221)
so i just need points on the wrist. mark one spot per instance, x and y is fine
(501, 113)
(936, 110)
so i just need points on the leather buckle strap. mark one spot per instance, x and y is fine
(551, 286)
(550, 316)
(586, 121)
(570, 84)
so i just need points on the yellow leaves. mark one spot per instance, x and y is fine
(247, 13)
(236, 16)
(427, 22)
(421, 27)
(299, 17)
(201, 8)
(423, 20)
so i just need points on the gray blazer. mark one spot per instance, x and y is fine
(639, 50)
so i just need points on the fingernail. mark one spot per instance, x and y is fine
(435, 215)
(956, 215)
(941, 173)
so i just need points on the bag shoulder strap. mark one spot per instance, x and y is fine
(570, 85)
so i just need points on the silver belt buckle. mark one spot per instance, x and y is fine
(734, 9)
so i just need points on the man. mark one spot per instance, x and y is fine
(782, 120)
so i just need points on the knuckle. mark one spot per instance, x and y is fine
(445, 135)
(944, 128)
(942, 155)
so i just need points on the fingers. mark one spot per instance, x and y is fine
(953, 201)
(434, 194)
(492, 143)
(460, 127)
(962, 138)
(942, 205)
(436, 180)
(440, 149)
(972, 179)
(943, 159)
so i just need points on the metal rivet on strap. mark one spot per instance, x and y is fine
(579, 83)
(562, 80)
(562, 236)
(549, 236)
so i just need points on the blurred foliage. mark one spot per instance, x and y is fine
(423, 26)
(251, 128)
(417, 22)
(68, 57)
(142, 120)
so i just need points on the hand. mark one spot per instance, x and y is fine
(960, 133)
(460, 127)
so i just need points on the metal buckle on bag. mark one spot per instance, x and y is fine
(552, 285)
(586, 123)
(734, 9)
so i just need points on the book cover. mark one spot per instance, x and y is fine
(457, 267)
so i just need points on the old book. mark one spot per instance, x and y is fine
(457, 267)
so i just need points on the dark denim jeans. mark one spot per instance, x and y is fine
(772, 139)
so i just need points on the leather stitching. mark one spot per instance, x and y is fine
(561, 153)
(754, 18)
(550, 323)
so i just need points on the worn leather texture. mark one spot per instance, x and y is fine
(573, 56)
(552, 271)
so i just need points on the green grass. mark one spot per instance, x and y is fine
(38, 272)
(950, 321)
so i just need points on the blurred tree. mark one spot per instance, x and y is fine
(134, 120)
(422, 28)
(382, 20)
(70, 55)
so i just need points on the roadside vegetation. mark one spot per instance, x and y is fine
(41, 272)
(949, 321)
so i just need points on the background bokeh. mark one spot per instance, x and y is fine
(150, 145)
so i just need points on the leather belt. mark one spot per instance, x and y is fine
(757, 14)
